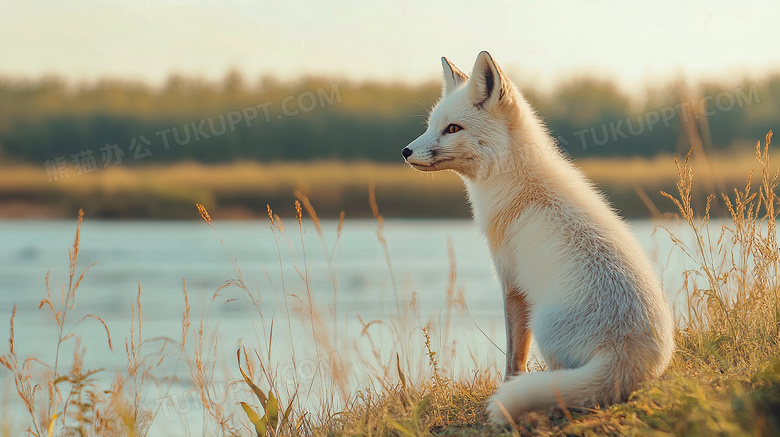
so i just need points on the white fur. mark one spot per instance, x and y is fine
(595, 307)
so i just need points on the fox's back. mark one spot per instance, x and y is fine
(585, 274)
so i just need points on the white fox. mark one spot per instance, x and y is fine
(571, 270)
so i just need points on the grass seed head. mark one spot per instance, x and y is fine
(203, 213)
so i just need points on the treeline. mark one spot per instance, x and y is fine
(49, 120)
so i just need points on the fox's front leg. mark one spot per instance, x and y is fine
(518, 331)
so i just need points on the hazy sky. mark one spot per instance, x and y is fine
(631, 41)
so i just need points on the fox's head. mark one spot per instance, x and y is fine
(470, 129)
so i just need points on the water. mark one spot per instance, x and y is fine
(157, 255)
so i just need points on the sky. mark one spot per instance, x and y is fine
(633, 42)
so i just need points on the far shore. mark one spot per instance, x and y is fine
(241, 190)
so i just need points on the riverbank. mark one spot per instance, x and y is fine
(242, 190)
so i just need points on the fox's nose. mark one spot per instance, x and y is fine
(406, 152)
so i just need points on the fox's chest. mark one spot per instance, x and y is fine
(533, 254)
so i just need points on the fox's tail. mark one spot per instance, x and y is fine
(603, 380)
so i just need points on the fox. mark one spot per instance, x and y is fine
(573, 275)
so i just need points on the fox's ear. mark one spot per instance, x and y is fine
(453, 78)
(486, 86)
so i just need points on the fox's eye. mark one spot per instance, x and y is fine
(451, 129)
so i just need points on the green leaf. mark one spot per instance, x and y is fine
(400, 373)
(272, 410)
(400, 428)
(259, 423)
(258, 393)
(288, 410)
(420, 407)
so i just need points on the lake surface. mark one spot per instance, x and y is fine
(157, 255)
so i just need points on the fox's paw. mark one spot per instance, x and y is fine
(496, 413)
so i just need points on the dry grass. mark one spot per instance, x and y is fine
(72, 402)
(725, 378)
